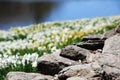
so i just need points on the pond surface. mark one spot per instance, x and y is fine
(23, 13)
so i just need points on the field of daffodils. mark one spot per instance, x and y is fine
(20, 47)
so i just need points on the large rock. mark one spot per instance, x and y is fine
(110, 64)
(27, 76)
(112, 45)
(85, 70)
(51, 64)
(110, 59)
(75, 53)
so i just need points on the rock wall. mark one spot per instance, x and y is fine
(97, 57)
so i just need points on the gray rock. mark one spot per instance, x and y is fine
(110, 64)
(51, 64)
(93, 57)
(112, 45)
(83, 78)
(27, 76)
(110, 59)
(96, 78)
(111, 73)
(77, 78)
(85, 70)
(75, 53)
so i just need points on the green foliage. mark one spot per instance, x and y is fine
(20, 67)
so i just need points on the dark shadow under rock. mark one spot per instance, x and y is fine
(91, 44)
(93, 37)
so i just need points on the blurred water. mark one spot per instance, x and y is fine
(21, 13)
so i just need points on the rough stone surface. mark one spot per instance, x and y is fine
(75, 53)
(110, 64)
(27, 76)
(91, 44)
(83, 78)
(52, 63)
(86, 70)
(110, 60)
(93, 57)
(112, 45)
(111, 73)
(77, 78)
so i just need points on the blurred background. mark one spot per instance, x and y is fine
(16, 13)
